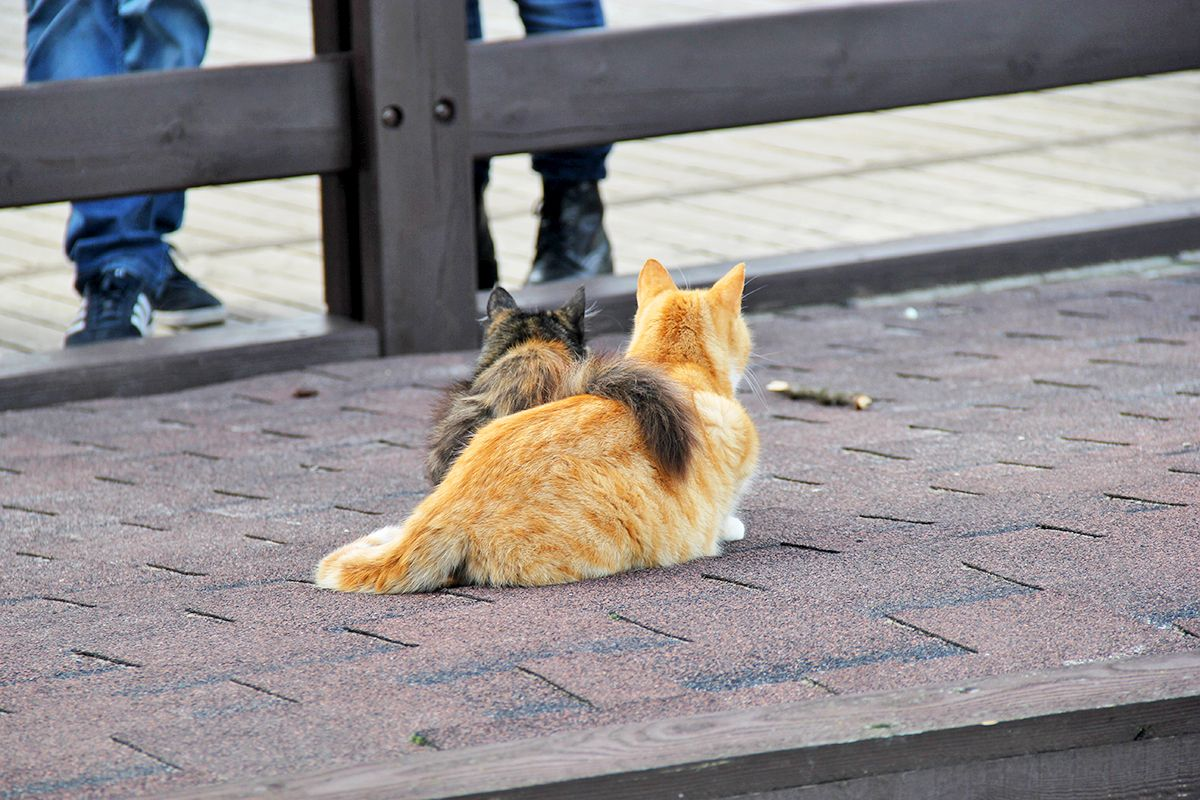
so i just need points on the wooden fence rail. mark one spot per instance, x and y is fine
(395, 105)
(849, 56)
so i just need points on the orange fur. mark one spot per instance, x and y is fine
(569, 490)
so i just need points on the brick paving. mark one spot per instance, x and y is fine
(1022, 495)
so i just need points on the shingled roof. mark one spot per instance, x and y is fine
(1023, 494)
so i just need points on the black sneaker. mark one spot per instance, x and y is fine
(115, 306)
(183, 303)
(571, 240)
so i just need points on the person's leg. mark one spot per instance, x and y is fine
(546, 16)
(109, 240)
(68, 39)
(163, 35)
(571, 242)
(120, 236)
(552, 16)
(487, 271)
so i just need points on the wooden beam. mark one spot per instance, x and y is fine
(167, 364)
(544, 93)
(840, 274)
(197, 127)
(80, 139)
(1153, 768)
(1140, 712)
(416, 232)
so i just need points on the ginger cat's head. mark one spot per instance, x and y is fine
(700, 329)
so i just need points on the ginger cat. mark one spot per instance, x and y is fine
(571, 489)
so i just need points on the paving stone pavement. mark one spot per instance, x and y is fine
(1022, 495)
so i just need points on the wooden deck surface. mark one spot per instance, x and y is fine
(687, 200)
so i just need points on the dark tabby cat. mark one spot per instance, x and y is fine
(530, 358)
(525, 359)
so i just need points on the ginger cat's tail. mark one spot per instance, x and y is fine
(664, 415)
(414, 557)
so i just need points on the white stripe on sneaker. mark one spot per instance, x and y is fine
(77, 324)
(142, 317)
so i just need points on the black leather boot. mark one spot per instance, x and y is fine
(571, 240)
(487, 272)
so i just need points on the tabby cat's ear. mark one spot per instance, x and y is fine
(575, 307)
(727, 292)
(498, 299)
(653, 280)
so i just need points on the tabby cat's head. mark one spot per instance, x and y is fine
(507, 326)
(700, 327)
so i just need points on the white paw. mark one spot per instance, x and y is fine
(732, 530)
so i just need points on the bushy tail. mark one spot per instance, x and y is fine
(393, 560)
(663, 411)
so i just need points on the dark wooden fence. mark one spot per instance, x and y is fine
(395, 105)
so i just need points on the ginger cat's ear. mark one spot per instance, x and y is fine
(653, 280)
(727, 292)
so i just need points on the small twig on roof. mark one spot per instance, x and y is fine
(825, 397)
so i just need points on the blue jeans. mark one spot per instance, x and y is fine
(88, 38)
(547, 16)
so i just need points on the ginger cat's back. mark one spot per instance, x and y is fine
(571, 490)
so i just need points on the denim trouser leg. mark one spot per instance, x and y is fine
(88, 38)
(548, 16)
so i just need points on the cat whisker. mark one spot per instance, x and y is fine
(756, 387)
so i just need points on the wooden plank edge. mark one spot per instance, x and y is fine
(152, 366)
(1148, 768)
(840, 274)
(773, 748)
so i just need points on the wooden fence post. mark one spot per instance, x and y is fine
(399, 231)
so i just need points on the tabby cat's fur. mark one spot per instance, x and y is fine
(524, 363)
(572, 489)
